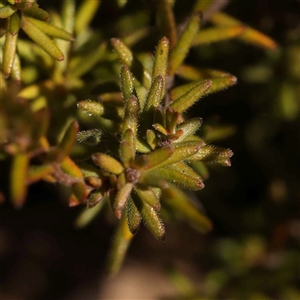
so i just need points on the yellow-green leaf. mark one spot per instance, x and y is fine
(9, 53)
(185, 101)
(217, 34)
(119, 246)
(133, 216)
(18, 176)
(41, 39)
(107, 163)
(51, 30)
(249, 35)
(180, 50)
(184, 208)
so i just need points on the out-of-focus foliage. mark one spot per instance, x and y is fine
(137, 148)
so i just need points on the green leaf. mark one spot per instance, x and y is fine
(14, 24)
(182, 206)
(94, 199)
(154, 159)
(51, 30)
(18, 176)
(150, 217)
(213, 154)
(189, 98)
(161, 62)
(9, 52)
(65, 146)
(127, 148)
(119, 246)
(36, 173)
(249, 35)
(180, 50)
(188, 128)
(87, 215)
(90, 137)
(34, 11)
(182, 151)
(107, 163)
(155, 94)
(85, 14)
(130, 120)
(133, 216)
(127, 58)
(126, 80)
(121, 199)
(166, 20)
(181, 175)
(7, 10)
(41, 39)
(148, 196)
(217, 34)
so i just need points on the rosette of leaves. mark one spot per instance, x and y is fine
(152, 162)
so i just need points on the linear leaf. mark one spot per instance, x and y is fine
(184, 102)
(180, 50)
(107, 163)
(18, 176)
(41, 39)
(249, 35)
(182, 206)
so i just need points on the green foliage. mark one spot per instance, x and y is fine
(140, 149)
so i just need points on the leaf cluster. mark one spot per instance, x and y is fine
(138, 149)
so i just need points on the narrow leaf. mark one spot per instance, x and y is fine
(133, 216)
(36, 173)
(155, 94)
(85, 14)
(41, 39)
(188, 128)
(35, 12)
(87, 215)
(94, 199)
(7, 10)
(65, 146)
(182, 151)
(119, 246)
(191, 73)
(161, 62)
(90, 137)
(121, 199)
(166, 20)
(126, 80)
(127, 148)
(14, 23)
(127, 58)
(51, 30)
(107, 163)
(151, 218)
(9, 53)
(18, 176)
(69, 167)
(182, 176)
(180, 51)
(154, 159)
(130, 120)
(217, 34)
(148, 196)
(182, 206)
(184, 102)
(249, 35)
(213, 154)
